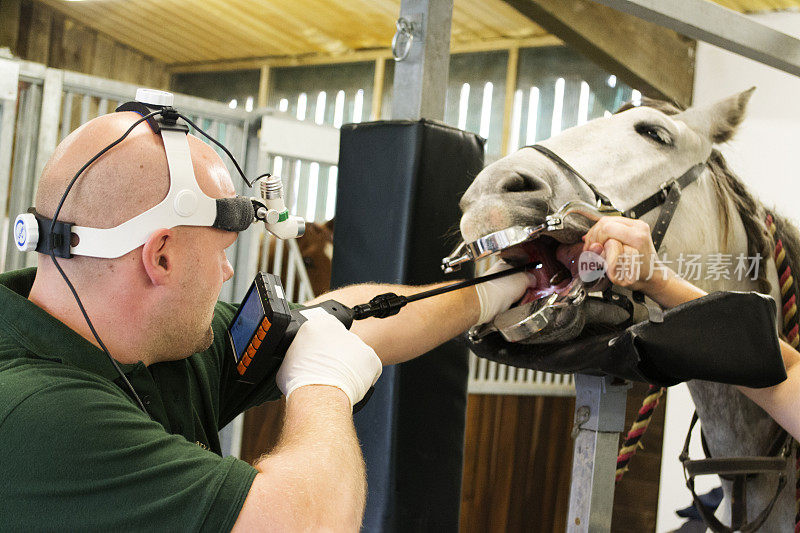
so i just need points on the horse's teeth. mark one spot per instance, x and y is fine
(559, 276)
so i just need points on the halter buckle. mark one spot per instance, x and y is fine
(665, 187)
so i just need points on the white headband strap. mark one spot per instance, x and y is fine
(185, 205)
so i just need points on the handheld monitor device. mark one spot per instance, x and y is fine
(258, 326)
(265, 326)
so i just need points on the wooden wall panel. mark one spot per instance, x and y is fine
(518, 459)
(261, 428)
(36, 32)
(9, 22)
(518, 463)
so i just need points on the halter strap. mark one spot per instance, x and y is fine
(669, 194)
(557, 159)
(736, 469)
(657, 198)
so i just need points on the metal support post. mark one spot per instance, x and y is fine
(599, 419)
(421, 49)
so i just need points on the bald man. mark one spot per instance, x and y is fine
(77, 452)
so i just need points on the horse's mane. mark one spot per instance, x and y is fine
(730, 188)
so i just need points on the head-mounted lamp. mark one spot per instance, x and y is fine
(185, 204)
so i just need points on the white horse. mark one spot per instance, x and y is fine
(627, 156)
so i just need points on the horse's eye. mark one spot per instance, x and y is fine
(308, 261)
(654, 133)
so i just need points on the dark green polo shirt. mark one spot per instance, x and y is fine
(77, 454)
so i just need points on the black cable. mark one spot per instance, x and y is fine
(470, 282)
(96, 336)
(389, 304)
(64, 275)
(230, 155)
(92, 160)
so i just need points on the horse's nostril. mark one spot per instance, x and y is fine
(519, 183)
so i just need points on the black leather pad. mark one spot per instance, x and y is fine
(727, 337)
(397, 201)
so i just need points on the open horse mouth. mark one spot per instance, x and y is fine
(553, 306)
(557, 265)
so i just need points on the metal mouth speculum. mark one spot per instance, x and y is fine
(557, 317)
(567, 224)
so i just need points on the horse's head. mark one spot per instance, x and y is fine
(626, 156)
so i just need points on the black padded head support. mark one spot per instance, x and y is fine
(234, 214)
(726, 337)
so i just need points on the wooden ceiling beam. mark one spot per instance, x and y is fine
(212, 38)
(657, 61)
(356, 56)
(275, 32)
(122, 30)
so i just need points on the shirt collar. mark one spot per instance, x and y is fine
(31, 327)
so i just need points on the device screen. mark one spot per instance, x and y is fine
(247, 320)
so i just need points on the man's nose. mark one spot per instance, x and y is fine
(227, 270)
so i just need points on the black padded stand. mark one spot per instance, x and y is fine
(397, 200)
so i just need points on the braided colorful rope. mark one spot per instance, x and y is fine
(791, 324)
(633, 439)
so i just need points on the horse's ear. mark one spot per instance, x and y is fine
(718, 121)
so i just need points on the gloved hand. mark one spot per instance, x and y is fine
(324, 352)
(498, 295)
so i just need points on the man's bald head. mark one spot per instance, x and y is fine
(168, 286)
(129, 179)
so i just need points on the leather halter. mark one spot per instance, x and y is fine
(669, 194)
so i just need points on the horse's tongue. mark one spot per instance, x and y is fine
(542, 252)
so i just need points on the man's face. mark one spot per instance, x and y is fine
(202, 266)
(207, 268)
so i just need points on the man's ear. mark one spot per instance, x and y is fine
(158, 256)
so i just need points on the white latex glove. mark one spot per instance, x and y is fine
(498, 295)
(324, 352)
